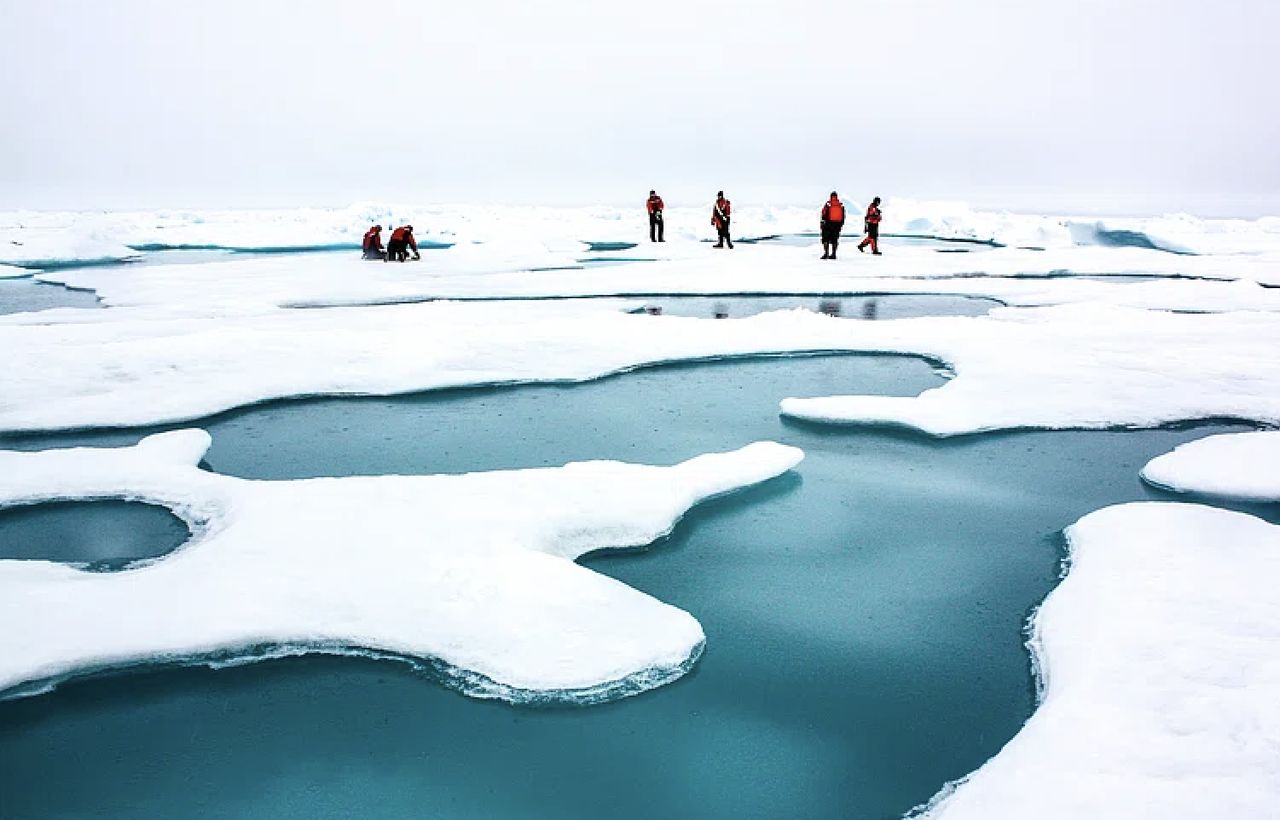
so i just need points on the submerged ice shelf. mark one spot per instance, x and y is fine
(473, 574)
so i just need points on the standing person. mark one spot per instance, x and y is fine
(873, 227)
(832, 223)
(372, 244)
(654, 206)
(401, 243)
(720, 218)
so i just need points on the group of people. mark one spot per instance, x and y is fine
(398, 246)
(831, 223)
(719, 218)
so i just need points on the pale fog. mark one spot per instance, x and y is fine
(1080, 107)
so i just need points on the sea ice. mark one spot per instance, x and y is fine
(1070, 366)
(1159, 660)
(472, 574)
(314, 228)
(1240, 466)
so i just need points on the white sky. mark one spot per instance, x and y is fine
(1127, 106)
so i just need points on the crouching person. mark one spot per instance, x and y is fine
(372, 245)
(401, 243)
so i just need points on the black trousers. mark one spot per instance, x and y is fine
(396, 251)
(872, 238)
(831, 232)
(722, 231)
(655, 227)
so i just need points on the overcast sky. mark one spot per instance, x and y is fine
(1107, 106)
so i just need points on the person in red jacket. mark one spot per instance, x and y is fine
(720, 218)
(654, 207)
(873, 227)
(372, 244)
(832, 222)
(401, 243)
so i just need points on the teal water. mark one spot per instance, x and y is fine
(864, 619)
(101, 534)
(26, 294)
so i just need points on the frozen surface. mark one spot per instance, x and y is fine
(1241, 466)
(471, 574)
(1159, 657)
(46, 236)
(1071, 366)
(1011, 275)
(1086, 367)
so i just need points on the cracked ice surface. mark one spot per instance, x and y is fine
(1159, 657)
(1240, 466)
(474, 571)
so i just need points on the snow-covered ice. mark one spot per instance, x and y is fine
(1156, 653)
(1011, 275)
(1239, 466)
(1159, 659)
(474, 571)
(57, 233)
(1070, 366)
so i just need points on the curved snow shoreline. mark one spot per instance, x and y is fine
(1075, 366)
(433, 669)
(1231, 466)
(1156, 659)
(396, 566)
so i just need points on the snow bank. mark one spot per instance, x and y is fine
(471, 575)
(45, 250)
(11, 272)
(1159, 657)
(1241, 466)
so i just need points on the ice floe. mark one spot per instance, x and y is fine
(1069, 366)
(471, 575)
(1239, 466)
(1159, 661)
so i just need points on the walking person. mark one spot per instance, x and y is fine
(654, 206)
(720, 218)
(831, 223)
(872, 226)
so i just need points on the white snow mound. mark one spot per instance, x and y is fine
(1240, 466)
(1160, 659)
(472, 575)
